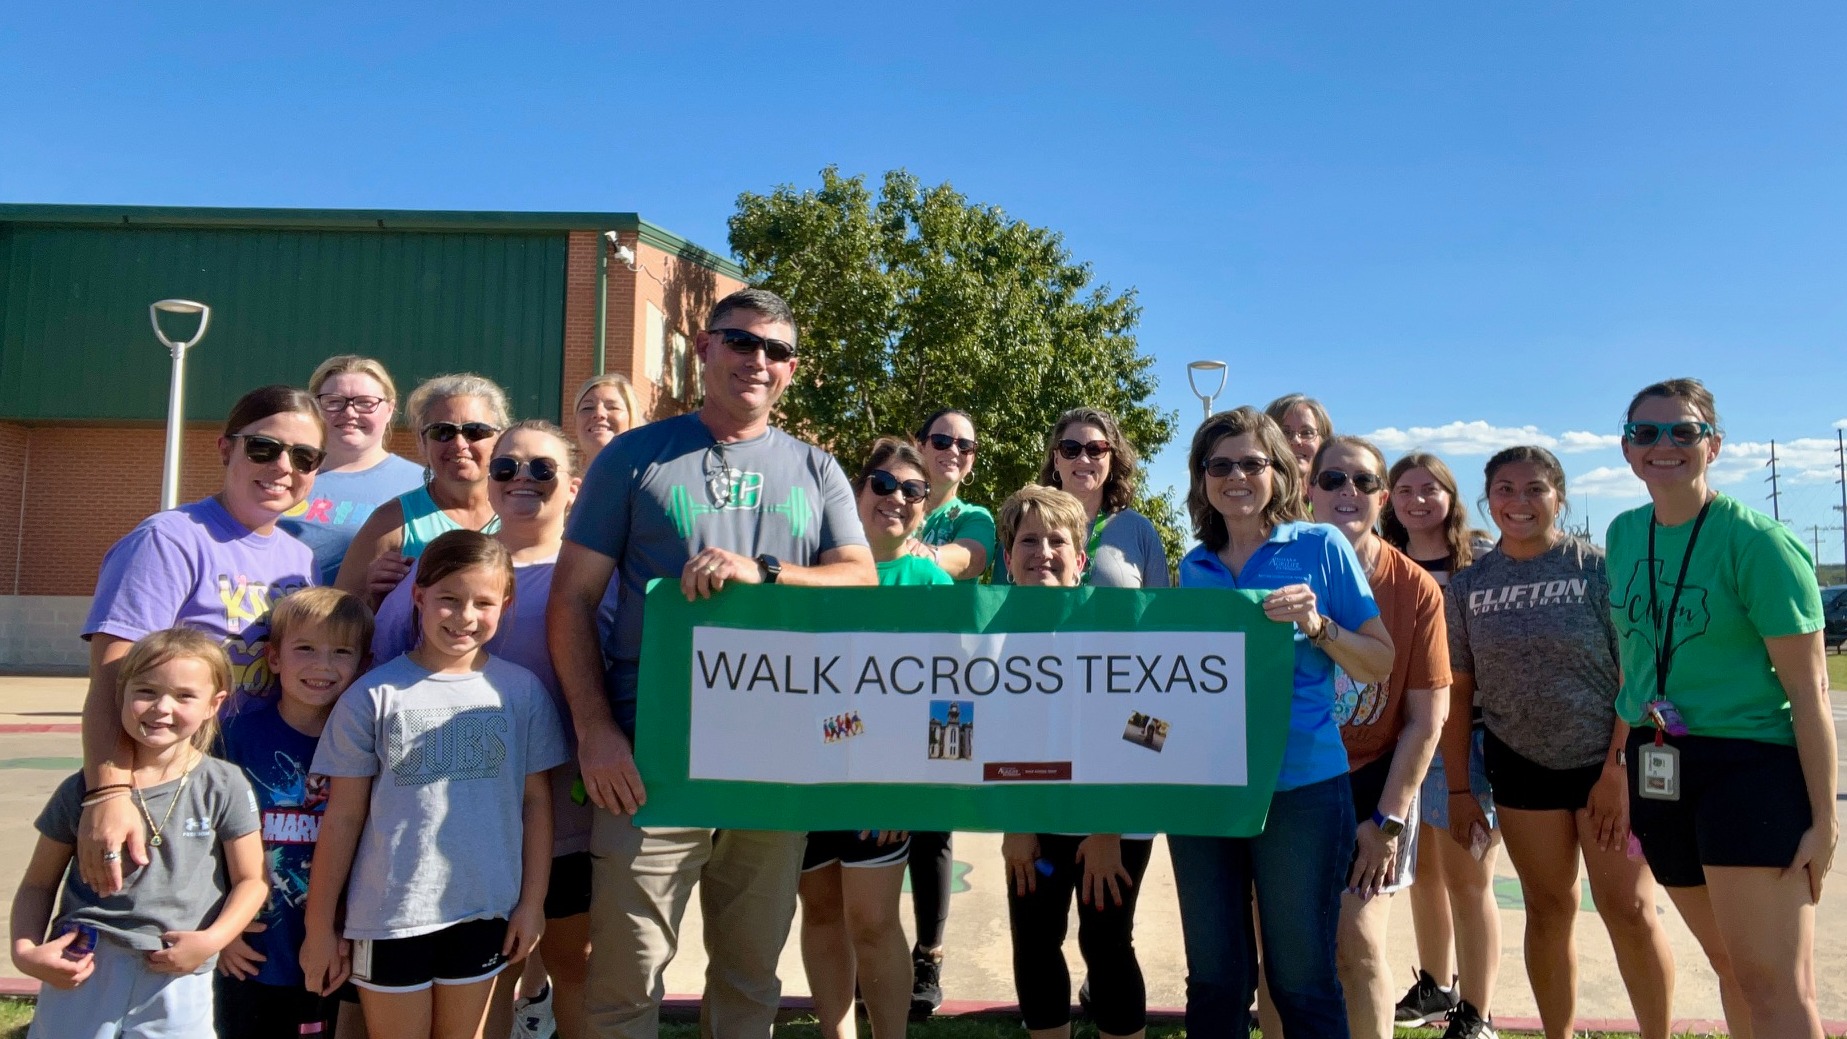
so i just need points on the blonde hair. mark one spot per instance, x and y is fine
(353, 364)
(459, 384)
(345, 618)
(160, 647)
(625, 389)
(1057, 509)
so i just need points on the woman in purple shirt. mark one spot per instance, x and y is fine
(215, 564)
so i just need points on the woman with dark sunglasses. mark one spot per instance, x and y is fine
(1390, 728)
(215, 564)
(533, 476)
(1529, 629)
(1088, 457)
(956, 535)
(358, 400)
(1246, 503)
(457, 418)
(1731, 758)
(852, 881)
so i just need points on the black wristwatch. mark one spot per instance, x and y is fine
(1389, 825)
(771, 568)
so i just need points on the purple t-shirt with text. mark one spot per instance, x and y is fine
(197, 566)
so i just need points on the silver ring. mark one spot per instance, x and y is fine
(110, 856)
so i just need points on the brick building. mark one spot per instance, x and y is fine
(83, 382)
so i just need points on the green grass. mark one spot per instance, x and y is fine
(1837, 672)
(15, 1015)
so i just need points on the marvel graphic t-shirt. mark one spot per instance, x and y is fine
(197, 566)
(290, 798)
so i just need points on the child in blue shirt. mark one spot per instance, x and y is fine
(317, 645)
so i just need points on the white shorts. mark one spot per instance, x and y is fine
(122, 997)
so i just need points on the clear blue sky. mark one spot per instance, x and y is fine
(1451, 222)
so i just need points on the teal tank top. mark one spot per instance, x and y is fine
(424, 521)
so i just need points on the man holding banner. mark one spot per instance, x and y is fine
(711, 498)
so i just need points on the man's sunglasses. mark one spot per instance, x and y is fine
(1070, 449)
(746, 343)
(1335, 479)
(473, 432)
(1220, 468)
(333, 404)
(263, 450)
(504, 469)
(1683, 434)
(943, 442)
(884, 484)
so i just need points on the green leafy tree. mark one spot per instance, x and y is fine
(919, 300)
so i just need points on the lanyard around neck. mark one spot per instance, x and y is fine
(1096, 539)
(1664, 638)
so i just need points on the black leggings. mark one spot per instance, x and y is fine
(1106, 937)
(932, 870)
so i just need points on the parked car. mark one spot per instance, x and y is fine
(1834, 616)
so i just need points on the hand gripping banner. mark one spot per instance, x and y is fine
(1074, 710)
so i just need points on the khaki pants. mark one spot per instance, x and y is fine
(641, 883)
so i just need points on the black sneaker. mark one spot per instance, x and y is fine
(926, 983)
(1426, 1003)
(1465, 1022)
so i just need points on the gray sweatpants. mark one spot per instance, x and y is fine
(124, 998)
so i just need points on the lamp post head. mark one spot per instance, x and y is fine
(1194, 370)
(179, 306)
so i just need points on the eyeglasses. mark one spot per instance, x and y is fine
(1070, 449)
(943, 442)
(884, 484)
(1335, 479)
(504, 469)
(333, 404)
(745, 343)
(1219, 468)
(1307, 434)
(443, 432)
(1683, 434)
(263, 450)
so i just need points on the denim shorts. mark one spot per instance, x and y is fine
(1433, 801)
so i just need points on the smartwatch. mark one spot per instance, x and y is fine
(771, 568)
(1389, 825)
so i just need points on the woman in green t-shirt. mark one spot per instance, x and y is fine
(957, 536)
(851, 934)
(1731, 755)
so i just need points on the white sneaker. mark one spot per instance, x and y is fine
(532, 1018)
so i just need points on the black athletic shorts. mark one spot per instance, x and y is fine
(1523, 784)
(253, 1010)
(569, 893)
(460, 954)
(1742, 803)
(847, 847)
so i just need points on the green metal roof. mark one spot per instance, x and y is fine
(366, 219)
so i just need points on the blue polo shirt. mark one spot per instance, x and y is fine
(1319, 556)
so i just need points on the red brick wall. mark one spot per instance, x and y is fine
(683, 291)
(12, 492)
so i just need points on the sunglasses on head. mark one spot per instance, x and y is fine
(884, 484)
(746, 343)
(1222, 467)
(334, 403)
(504, 468)
(943, 442)
(473, 432)
(1683, 434)
(1335, 479)
(263, 450)
(1070, 449)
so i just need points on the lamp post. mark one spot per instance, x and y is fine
(176, 390)
(1193, 371)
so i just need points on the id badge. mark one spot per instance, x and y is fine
(1658, 777)
(362, 959)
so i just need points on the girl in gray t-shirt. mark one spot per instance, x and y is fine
(139, 962)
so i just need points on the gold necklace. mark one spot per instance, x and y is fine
(154, 837)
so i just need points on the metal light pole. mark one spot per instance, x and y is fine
(176, 391)
(1193, 370)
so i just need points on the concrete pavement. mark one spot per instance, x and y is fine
(39, 747)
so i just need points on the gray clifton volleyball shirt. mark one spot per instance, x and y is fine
(1538, 637)
(184, 882)
(661, 493)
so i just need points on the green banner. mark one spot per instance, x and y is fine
(962, 708)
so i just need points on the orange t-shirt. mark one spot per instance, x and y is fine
(1411, 607)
